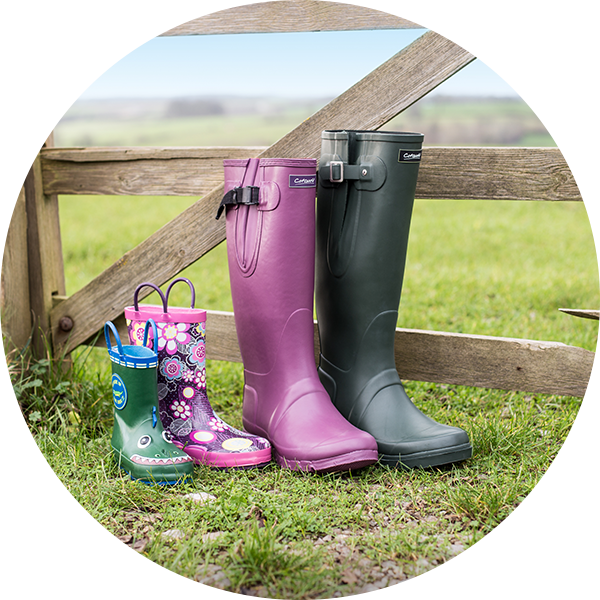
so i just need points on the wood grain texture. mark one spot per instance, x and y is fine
(164, 254)
(82, 19)
(14, 283)
(496, 174)
(137, 171)
(578, 45)
(451, 358)
(380, 96)
(373, 101)
(221, 336)
(493, 362)
(44, 250)
(445, 173)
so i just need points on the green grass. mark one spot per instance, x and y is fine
(281, 534)
(492, 268)
(501, 268)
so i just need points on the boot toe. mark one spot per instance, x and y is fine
(314, 436)
(405, 435)
(440, 446)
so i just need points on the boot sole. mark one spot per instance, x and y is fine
(182, 479)
(430, 458)
(345, 462)
(220, 460)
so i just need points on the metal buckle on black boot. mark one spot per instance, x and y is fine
(337, 171)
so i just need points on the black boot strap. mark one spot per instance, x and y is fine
(337, 171)
(246, 195)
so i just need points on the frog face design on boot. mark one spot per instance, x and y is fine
(183, 405)
(146, 441)
(155, 459)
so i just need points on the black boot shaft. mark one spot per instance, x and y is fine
(362, 233)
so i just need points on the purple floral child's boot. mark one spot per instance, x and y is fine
(184, 408)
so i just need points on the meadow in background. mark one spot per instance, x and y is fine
(479, 267)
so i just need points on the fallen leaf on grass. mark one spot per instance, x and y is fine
(213, 535)
(140, 526)
(125, 544)
(173, 534)
(138, 517)
(256, 513)
(201, 497)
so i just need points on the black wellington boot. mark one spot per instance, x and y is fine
(367, 182)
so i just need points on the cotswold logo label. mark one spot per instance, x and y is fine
(303, 181)
(409, 156)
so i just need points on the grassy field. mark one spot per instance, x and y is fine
(473, 122)
(443, 121)
(493, 268)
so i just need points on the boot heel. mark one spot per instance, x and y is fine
(141, 447)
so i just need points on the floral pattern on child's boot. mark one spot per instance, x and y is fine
(184, 408)
(209, 440)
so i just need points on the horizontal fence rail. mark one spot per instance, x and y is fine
(82, 19)
(445, 173)
(452, 358)
(139, 171)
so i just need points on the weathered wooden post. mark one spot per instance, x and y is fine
(36, 302)
(46, 271)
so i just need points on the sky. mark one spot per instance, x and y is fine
(289, 65)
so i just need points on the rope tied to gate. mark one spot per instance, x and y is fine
(28, 17)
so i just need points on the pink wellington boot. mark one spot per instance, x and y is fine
(271, 250)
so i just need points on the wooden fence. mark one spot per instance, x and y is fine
(32, 272)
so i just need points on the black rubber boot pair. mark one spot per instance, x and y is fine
(365, 197)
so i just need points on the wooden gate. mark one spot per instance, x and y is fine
(519, 174)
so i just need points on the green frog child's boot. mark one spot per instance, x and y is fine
(140, 445)
(367, 182)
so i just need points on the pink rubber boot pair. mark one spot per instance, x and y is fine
(270, 205)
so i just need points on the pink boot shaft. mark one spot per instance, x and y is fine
(271, 253)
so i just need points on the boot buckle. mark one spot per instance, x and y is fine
(336, 167)
(247, 195)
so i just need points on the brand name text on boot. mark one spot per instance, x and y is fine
(303, 181)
